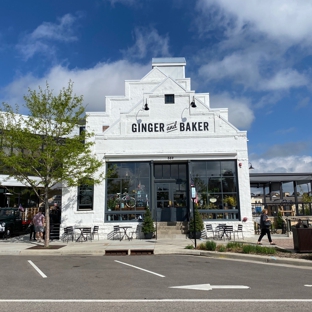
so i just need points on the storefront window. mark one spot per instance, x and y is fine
(128, 190)
(85, 197)
(216, 186)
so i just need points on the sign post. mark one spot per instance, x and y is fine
(193, 191)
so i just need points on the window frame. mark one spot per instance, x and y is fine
(169, 98)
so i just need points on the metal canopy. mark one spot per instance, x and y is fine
(265, 179)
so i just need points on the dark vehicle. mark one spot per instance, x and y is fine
(10, 222)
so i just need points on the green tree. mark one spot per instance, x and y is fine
(199, 223)
(148, 223)
(46, 148)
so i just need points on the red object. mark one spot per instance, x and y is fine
(240, 165)
(245, 219)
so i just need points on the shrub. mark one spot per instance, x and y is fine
(221, 248)
(202, 246)
(258, 249)
(234, 246)
(199, 224)
(189, 247)
(148, 223)
(211, 245)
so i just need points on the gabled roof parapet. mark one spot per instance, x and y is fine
(168, 61)
(170, 66)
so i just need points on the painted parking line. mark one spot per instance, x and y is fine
(264, 301)
(37, 269)
(130, 265)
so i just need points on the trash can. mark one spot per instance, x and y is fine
(302, 238)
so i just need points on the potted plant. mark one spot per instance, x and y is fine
(230, 200)
(148, 225)
(199, 225)
(279, 223)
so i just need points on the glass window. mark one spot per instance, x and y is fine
(169, 98)
(85, 197)
(128, 190)
(216, 186)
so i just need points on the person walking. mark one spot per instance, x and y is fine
(32, 231)
(265, 225)
(38, 222)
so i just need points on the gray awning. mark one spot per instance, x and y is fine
(264, 179)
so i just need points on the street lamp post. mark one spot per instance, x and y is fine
(193, 190)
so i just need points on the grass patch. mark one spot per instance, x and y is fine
(221, 248)
(189, 247)
(254, 249)
(234, 246)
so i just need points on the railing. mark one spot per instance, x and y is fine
(287, 209)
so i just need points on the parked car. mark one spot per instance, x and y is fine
(10, 222)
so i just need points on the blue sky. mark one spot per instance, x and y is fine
(253, 57)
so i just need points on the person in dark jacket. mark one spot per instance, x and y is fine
(32, 231)
(265, 225)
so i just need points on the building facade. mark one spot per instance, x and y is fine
(156, 141)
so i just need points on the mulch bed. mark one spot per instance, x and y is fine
(48, 248)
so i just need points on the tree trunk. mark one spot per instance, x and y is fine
(47, 217)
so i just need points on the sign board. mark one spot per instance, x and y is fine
(193, 190)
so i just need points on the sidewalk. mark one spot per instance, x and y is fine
(22, 246)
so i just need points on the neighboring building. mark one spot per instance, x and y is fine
(157, 140)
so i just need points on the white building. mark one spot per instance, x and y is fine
(159, 139)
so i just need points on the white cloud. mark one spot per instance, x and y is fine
(282, 20)
(255, 38)
(243, 68)
(240, 114)
(284, 79)
(40, 40)
(124, 2)
(147, 42)
(94, 83)
(290, 164)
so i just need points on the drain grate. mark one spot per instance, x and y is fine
(116, 252)
(135, 252)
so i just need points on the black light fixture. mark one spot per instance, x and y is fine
(250, 166)
(193, 103)
(144, 108)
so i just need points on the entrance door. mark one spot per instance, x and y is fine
(171, 202)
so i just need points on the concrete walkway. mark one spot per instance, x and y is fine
(22, 246)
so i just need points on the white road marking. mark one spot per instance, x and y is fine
(140, 268)
(37, 269)
(156, 300)
(308, 285)
(210, 287)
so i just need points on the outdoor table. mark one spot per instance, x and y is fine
(81, 237)
(125, 228)
(221, 228)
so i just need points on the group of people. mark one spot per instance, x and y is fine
(37, 226)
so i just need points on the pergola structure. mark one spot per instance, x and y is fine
(275, 181)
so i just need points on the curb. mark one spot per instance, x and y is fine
(256, 258)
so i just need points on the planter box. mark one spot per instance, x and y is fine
(197, 234)
(302, 239)
(148, 235)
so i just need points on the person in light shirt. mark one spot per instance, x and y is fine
(38, 222)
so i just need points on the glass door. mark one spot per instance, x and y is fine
(171, 202)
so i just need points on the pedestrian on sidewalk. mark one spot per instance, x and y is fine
(32, 231)
(38, 222)
(265, 225)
